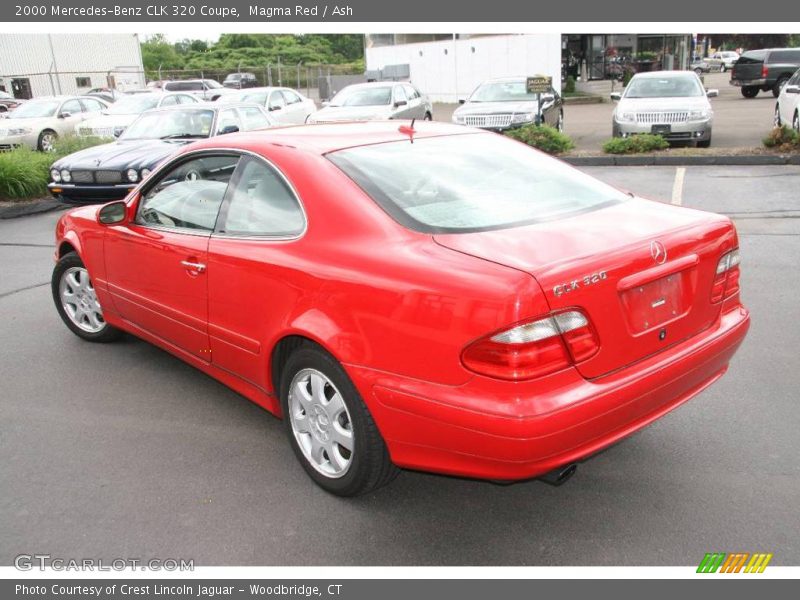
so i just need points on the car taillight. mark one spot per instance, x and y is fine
(726, 279)
(534, 348)
(764, 71)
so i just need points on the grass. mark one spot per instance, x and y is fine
(24, 173)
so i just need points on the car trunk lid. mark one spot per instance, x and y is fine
(642, 272)
(749, 66)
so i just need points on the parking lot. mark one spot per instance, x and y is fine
(738, 122)
(124, 451)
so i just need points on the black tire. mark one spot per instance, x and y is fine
(698, 70)
(777, 118)
(722, 68)
(750, 91)
(428, 117)
(371, 467)
(776, 89)
(45, 135)
(108, 333)
(796, 122)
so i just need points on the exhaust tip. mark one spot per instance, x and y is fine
(560, 475)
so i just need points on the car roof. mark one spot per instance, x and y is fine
(323, 138)
(661, 74)
(204, 106)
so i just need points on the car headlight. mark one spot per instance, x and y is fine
(66, 176)
(458, 119)
(699, 115)
(19, 131)
(145, 173)
(626, 116)
(55, 175)
(523, 117)
(132, 175)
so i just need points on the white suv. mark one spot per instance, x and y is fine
(787, 110)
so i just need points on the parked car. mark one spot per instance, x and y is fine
(37, 123)
(724, 60)
(673, 104)
(8, 102)
(504, 103)
(113, 121)
(240, 80)
(461, 304)
(110, 171)
(702, 65)
(375, 100)
(106, 94)
(287, 106)
(787, 110)
(764, 70)
(205, 89)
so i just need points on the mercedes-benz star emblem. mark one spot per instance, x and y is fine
(658, 252)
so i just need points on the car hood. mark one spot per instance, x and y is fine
(121, 155)
(105, 121)
(657, 104)
(351, 113)
(493, 108)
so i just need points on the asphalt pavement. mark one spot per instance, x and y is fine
(122, 451)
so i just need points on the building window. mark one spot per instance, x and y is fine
(83, 82)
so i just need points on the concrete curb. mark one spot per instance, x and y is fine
(658, 160)
(25, 209)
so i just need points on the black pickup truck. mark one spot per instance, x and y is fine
(766, 70)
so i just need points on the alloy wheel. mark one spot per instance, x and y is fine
(48, 142)
(321, 423)
(79, 300)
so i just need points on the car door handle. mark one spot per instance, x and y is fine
(194, 266)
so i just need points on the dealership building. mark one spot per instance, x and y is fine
(48, 64)
(447, 67)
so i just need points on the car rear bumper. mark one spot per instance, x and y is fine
(748, 82)
(89, 193)
(500, 430)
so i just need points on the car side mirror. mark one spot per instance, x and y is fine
(712, 93)
(462, 101)
(118, 131)
(229, 129)
(792, 89)
(275, 107)
(400, 103)
(113, 213)
(64, 115)
(615, 96)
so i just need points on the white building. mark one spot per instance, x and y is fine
(448, 67)
(68, 63)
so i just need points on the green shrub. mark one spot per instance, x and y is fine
(569, 85)
(782, 138)
(25, 173)
(635, 144)
(545, 138)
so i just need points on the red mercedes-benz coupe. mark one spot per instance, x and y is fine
(425, 296)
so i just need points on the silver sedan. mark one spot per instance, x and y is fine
(375, 101)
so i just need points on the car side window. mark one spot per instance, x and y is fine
(228, 119)
(261, 203)
(169, 101)
(411, 92)
(291, 97)
(72, 107)
(276, 100)
(189, 195)
(795, 80)
(399, 94)
(91, 105)
(186, 99)
(253, 118)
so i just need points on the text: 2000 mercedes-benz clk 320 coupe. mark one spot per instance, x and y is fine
(424, 296)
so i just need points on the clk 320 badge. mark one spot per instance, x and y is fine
(590, 279)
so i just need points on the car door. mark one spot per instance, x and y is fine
(276, 105)
(157, 265)
(253, 268)
(295, 107)
(69, 115)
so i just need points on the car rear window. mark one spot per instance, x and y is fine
(754, 56)
(784, 56)
(470, 182)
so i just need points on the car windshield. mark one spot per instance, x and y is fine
(664, 87)
(471, 182)
(212, 84)
(132, 105)
(503, 91)
(171, 124)
(35, 109)
(363, 96)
